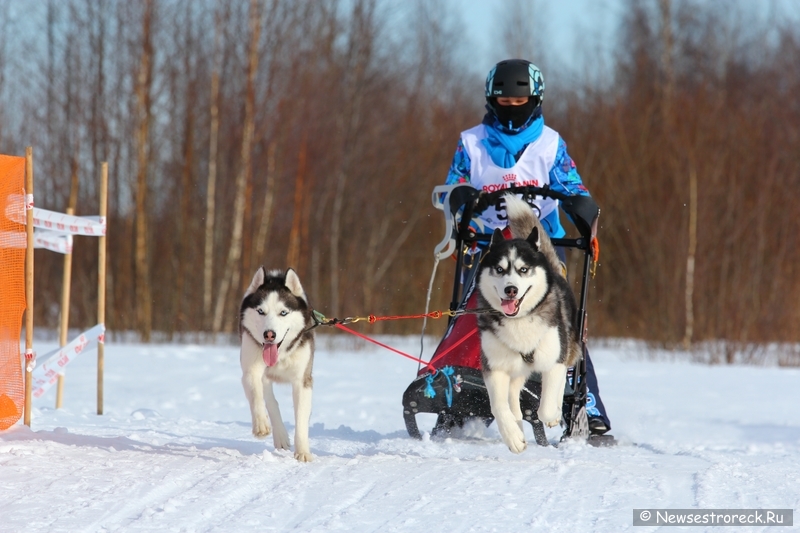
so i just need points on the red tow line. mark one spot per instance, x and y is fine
(429, 364)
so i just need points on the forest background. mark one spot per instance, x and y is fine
(310, 134)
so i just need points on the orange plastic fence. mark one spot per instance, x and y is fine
(12, 287)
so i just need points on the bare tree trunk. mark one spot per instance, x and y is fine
(97, 122)
(668, 88)
(361, 42)
(667, 97)
(211, 182)
(293, 255)
(187, 172)
(376, 236)
(143, 106)
(51, 80)
(336, 236)
(690, 258)
(266, 208)
(231, 273)
(316, 253)
(68, 145)
(73, 185)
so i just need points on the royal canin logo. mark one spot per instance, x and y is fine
(510, 177)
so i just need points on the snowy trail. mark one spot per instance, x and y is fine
(174, 451)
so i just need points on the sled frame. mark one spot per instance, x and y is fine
(468, 202)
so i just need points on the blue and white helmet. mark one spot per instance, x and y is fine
(515, 77)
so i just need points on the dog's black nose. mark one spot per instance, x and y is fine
(511, 291)
(269, 336)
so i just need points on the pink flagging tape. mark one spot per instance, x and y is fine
(46, 374)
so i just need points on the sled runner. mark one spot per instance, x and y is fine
(455, 390)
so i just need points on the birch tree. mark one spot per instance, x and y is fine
(211, 179)
(361, 40)
(144, 82)
(231, 272)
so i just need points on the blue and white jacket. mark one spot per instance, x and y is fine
(545, 161)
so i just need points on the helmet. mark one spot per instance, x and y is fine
(514, 78)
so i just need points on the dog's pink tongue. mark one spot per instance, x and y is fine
(509, 306)
(270, 354)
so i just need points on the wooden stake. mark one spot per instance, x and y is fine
(63, 333)
(101, 284)
(28, 284)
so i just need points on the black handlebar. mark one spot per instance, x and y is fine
(474, 202)
(477, 201)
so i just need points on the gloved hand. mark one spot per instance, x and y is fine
(583, 211)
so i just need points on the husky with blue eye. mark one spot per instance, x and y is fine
(275, 322)
(533, 326)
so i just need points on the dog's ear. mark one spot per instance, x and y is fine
(293, 284)
(534, 239)
(497, 237)
(258, 280)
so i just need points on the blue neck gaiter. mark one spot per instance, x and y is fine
(503, 144)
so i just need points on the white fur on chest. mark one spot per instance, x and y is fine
(291, 366)
(517, 337)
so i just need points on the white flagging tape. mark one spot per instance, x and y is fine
(55, 242)
(46, 374)
(61, 223)
(93, 226)
(50, 240)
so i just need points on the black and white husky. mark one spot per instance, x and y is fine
(277, 346)
(533, 329)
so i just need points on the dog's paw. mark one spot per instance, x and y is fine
(516, 443)
(513, 437)
(261, 427)
(549, 417)
(304, 457)
(281, 440)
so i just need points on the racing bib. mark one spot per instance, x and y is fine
(532, 169)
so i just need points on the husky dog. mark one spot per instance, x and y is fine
(533, 329)
(277, 346)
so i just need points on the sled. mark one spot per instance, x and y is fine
(454, 390)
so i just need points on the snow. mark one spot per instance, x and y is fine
(174, 452)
